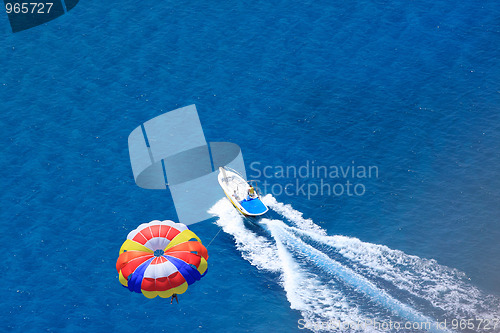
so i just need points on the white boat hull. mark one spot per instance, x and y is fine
(236, 189)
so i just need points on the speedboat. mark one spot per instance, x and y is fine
(241, 194)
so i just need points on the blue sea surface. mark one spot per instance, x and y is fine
(411, 87)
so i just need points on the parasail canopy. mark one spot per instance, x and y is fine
(161, 258)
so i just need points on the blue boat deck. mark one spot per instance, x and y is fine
(254, 206)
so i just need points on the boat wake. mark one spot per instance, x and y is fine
(340, 283)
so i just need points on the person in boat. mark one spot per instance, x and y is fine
(235, 195)
(172, 299)
(251, 193)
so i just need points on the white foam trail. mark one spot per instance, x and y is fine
(320, 304)
(292, 215)
(255, 249)
(277, 229)
(443, 287)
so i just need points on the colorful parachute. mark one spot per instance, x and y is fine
(161, 258)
